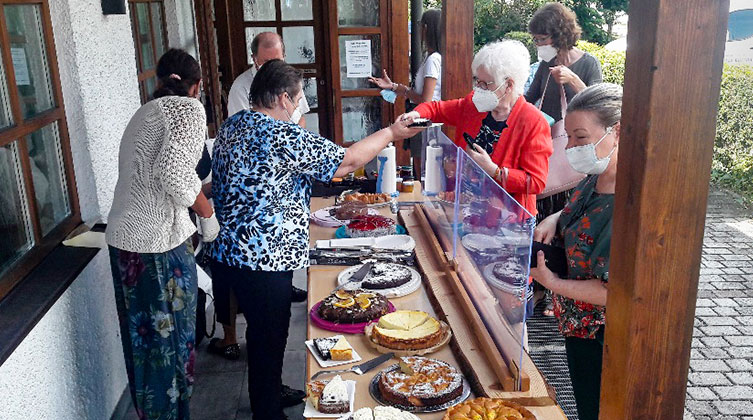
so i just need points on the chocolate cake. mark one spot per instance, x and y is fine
(510, 271)
(386, 276)
(421, 382)
(353, 306)
(324, 345)
(349, 210)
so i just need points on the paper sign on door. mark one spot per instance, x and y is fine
(358, 58)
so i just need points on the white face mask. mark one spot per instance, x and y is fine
(584, 159)
(295, 116)
(485, 100)
(546, 52)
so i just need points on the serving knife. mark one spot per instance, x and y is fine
(358, 369)
(358, 275)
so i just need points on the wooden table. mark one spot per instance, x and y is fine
(323, 279)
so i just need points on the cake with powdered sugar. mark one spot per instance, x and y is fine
(386, 276)
(420, 382)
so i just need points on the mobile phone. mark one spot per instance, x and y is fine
(420, 122)
(470, 140)
(556, 258)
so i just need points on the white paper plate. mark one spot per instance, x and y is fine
(329, 363)
(310, 411)
(478, 242)
(322, 217)
(405, 289)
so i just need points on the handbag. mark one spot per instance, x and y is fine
(561, 177)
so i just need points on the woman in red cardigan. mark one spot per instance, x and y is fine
(511, 139)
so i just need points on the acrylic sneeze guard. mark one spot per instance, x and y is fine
(487, 234)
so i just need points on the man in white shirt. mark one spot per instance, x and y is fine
(264, 47)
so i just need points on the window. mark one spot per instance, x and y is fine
(148, 23)
(38, 203)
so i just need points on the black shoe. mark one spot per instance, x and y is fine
(291, 397)
(299, 295)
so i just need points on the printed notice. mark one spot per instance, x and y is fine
(358, 58)
(20, 66)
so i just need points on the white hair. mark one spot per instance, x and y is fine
(506, 59)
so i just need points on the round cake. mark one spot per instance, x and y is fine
(510, 271)
(407, 330)
(386, 276)
(421, 382)
(370, 226)
(353, 306)
(349, 210)
(488, 408)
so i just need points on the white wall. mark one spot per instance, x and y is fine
(181, 26)
(71, 364)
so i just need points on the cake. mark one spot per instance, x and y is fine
(382, 413)
(488, 408)
(370, 226)
(349, 210)
(407, 330)
(342, 350)
(420, 382)
(323, 346)
(368, 198)
(386, 276)
(510, 271)
(329, 397)
(353, 306)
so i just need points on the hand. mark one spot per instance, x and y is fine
(400, 129)
(210, 228)
(479, 155)
(383, 82)
(541, 273)
(546, 230)
(563, 75)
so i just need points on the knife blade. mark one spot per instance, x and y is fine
(371, 364)
(361, 273)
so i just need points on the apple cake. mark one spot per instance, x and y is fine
(420, 382)
(407, 330)
(488, 409)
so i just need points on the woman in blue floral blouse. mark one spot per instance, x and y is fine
(263, 168)
(584, 228)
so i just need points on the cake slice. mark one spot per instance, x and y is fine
(323, 346)
(328, 397)
(341, 350)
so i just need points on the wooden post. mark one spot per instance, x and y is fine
(457, 51)
(674, 66)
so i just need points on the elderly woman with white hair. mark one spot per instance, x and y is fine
(511, 139)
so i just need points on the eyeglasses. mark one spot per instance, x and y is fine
(538, 40)
(482, 84)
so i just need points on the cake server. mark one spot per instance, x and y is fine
(358, 275)
(358, 369)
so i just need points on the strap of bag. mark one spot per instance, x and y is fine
(563, 98)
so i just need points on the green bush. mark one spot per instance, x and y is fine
(526, 39)
(612, 62)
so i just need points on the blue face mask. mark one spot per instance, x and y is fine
(388, 95)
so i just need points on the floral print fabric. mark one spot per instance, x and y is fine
(585, 226)
(156, 300)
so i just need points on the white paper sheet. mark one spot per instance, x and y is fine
(358, 58)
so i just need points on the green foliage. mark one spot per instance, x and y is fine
(612, 62)
(526, 39)
(733, 146)
(495, 18)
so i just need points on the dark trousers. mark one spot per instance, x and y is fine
(584, 357)
(264, 297)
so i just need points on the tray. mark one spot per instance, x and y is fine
(330, 363)
(400, 353)
(377, 395)
(403, 290)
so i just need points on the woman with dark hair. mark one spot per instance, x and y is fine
(264, 166)
(149, 238)
(584, 229)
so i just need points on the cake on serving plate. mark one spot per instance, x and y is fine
(407, 330)
(329, 397)
(420, 382)
(341, 350)
(386, 276)
(488, 408)
(510, 271)
(349, 210)
(370, 226)
(353, 306)
(382, 413)
(323, 346)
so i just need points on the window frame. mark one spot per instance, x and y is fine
(19, 132)
(144, 75)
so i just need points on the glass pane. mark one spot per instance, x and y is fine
(312, 122)
(299, 44)
(144, 41)
(361, 116)
(258, 10)
(358, 12)
(15, 228)
(376, 62)
(159, 39)
(150, 85)
(29, 56)
(250, 34)
(6, 119)
(50, 187)
(309, 89)
(296, 10)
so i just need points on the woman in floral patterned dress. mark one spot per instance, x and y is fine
(584, 228)
(149, 237)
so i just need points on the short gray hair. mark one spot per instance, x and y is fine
(604, 100)
(506, 59)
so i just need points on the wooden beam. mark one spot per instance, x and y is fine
(457, 51)
(673, 73)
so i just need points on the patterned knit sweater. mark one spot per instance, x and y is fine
(157, 181)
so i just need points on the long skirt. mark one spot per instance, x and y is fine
(156, 300)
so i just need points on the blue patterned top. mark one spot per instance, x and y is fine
(262, 172)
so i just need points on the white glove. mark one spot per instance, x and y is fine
(209, 227)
